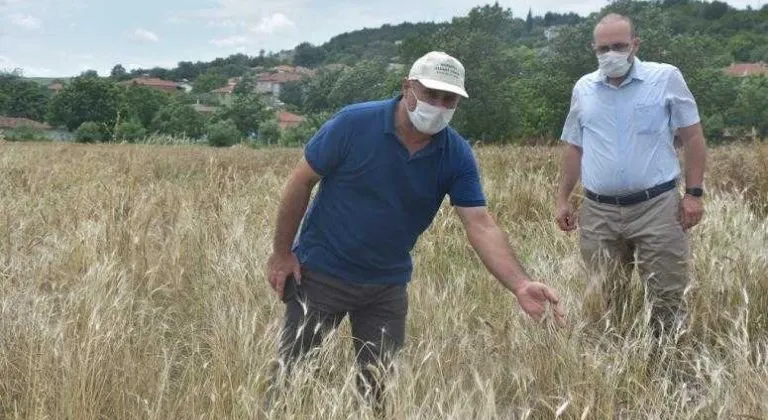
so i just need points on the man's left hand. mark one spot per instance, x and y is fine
(533, 298)
(691, 211)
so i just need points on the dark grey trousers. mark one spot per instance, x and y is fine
(377, 314)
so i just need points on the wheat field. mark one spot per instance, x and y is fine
(133, 288)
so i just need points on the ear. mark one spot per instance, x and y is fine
(404, 84)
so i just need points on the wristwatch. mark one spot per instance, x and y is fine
(695, 191)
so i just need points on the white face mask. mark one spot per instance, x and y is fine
(429, 119)
(614, 64)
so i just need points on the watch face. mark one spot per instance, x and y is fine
(696, 192)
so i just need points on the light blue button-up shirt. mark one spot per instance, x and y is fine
(627, 132)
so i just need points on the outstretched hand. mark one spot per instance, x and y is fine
(533, 298)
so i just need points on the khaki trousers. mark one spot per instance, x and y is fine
(649, 235)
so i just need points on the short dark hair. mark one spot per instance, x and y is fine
(615, 17)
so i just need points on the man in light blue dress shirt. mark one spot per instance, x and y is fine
(619, 136)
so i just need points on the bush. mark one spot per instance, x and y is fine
(714, 128)
(269, 132)
(223, 134)
(89, 132)
(299, 135)
(131, 131)
(25, 133)
(177, 119)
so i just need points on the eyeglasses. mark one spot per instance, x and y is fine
(619, 46)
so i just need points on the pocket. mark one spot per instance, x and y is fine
(584, 213)
(290, 289)
(647, 118)
(665, 210)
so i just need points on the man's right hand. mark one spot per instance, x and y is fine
(565, 216)
(279, 267)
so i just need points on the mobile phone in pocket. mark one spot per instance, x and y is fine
(290, 289)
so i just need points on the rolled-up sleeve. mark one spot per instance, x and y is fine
(572, 127)
(683, 109)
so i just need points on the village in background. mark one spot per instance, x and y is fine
(268, 85)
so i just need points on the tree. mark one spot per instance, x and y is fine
(223, 133)
(571, 51)
(90, 132)
(141, 103)
(760, 53)
(247, 112)
(715, 10)
(130, 130)
(751, 109)
(159, 72)
(118, 72)
(479, 42)
(363, 82)
(306, 55)
(21, 98)
(538, 101)
(245, 86)
(691, 53)
(178, 119)
(714, 90)
(714, 128)
(300, 134)
(269, 132)
(292, 93)
(209, 81)
(186, 70)
(529, 21)
(85, 98)
(743, 44)
(319, 90)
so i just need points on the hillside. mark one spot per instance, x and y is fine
(520, 70)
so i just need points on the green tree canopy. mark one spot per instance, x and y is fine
(22, 98)
(85, 98)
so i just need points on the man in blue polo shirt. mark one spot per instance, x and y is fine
(384, 168)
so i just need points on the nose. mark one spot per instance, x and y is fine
(448, 102)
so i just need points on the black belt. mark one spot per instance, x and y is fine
(634, 198)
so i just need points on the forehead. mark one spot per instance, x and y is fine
(435, 92)
(611, 32)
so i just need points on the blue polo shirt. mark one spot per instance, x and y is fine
(374, 199)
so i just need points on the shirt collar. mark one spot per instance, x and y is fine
(389, 114)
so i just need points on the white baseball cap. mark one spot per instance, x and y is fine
(438, 70)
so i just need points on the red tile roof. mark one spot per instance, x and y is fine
(747, 69)
(13, 122)
(306, 71)
(228, 89)
(204, 109)
(279, 77)
(286, 119)
(152, 82)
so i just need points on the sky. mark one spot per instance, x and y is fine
(59, 38)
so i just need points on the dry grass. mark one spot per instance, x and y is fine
(132, 288)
